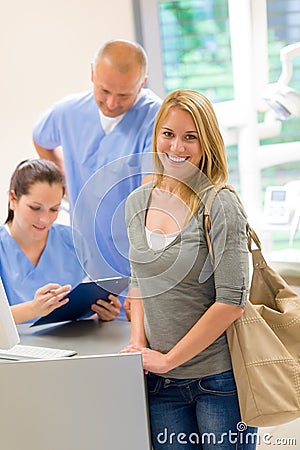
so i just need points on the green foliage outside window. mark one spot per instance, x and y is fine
(196, 47)
(196, 55)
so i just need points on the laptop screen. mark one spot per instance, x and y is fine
(8, 331)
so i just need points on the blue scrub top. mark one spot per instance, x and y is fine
(115, 160)
(58, 264)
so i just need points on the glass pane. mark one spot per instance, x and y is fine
(284, 29)
(196, 47)
(196, 54)
(283, 235)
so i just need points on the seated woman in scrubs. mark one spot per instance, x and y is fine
(38, 261)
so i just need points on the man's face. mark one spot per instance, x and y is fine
(115, 92)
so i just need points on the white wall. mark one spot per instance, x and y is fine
(46, 47)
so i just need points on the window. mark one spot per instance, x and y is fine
(194, 43)
(189, 46)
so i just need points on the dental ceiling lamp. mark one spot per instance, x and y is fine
(282, 99)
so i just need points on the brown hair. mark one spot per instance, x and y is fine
(29, 172)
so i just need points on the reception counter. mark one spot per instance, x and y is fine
(92, 401)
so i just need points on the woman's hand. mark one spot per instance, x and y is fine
(107, 310)
(153, 361)
(48, 298)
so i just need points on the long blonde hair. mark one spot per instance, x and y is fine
(213, 164)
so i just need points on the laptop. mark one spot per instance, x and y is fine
(9, 338)
(8, 331)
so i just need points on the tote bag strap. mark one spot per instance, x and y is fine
(251, 234)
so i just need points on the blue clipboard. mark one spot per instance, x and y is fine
(82, 297)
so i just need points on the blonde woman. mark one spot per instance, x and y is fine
(183, 303)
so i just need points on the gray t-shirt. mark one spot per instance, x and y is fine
(178, 283)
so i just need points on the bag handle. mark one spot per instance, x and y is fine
(251, 234)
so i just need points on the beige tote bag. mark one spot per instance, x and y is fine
(264, 343)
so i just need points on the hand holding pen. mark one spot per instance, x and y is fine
(49, 297)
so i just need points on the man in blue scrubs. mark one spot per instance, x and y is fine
(103, 134)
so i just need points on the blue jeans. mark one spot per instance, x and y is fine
(197, 413)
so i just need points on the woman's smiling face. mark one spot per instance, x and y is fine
(35, 212)
(178, 144)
